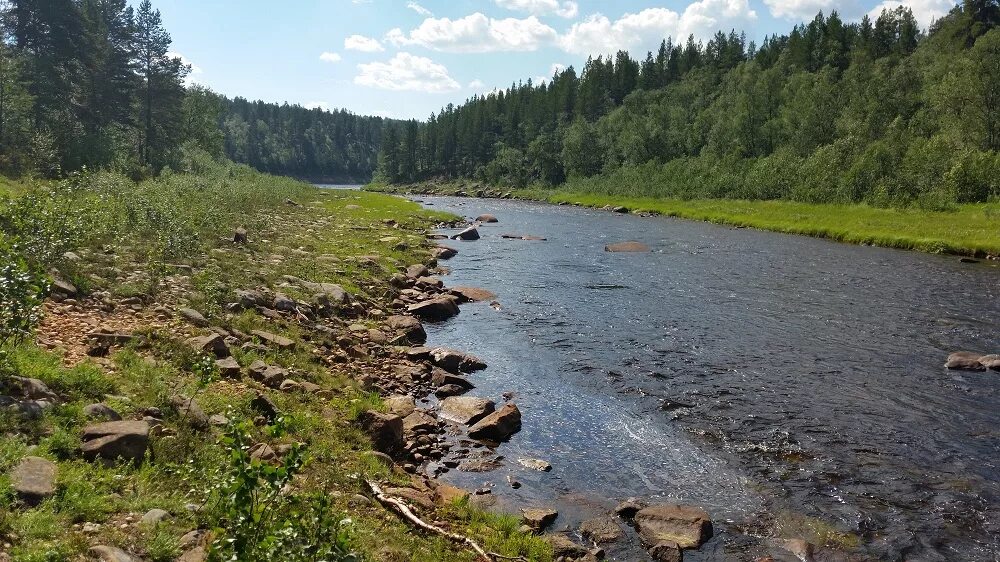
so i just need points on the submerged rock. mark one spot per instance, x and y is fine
(630, 246)
(965, 360)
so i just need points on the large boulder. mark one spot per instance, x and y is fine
(126, 440)
(470, 233)
(411, 328)
(34, 480)
(687, 526)
(385, 431)
(435, 310)
(485, 217)
(499, 425)
(456, 361)
(466, 410)
(629, 246)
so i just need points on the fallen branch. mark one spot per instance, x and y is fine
(400, 507)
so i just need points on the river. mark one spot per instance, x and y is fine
(791, 386)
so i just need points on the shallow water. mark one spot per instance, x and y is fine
(764, 377)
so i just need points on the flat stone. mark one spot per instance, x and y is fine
(194, 317)
(401, 405)
(116, 440)
(111, 554)
(687, 526)
(34, 479)
(446, 494)
(229, 367)
(101, 411)
(466, 410)
(280, 342)
(535, 464)
(472, 294)
(630, 246)
(419, 421)
(562, 546)
(965, 360)
(456, 361)
(211, 343)
(155, 516)
(435, 310)
(538, 518)
(601, 530)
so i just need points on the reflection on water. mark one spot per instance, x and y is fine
(741, 371)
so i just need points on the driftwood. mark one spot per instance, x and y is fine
(400, 507)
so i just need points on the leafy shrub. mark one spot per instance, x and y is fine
(21, 291)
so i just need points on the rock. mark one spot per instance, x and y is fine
(417, 271)
(538, 518)
(563, 547)
(470, 233)
(111, 554)
(472, 294)
(253, 297)
(449, 390)
(486, 218)
(280, 342)
(64, 288)
(990, 362)
(190, 411)
(628, 508)
(619, 209)
(229, 367)
(194, 317)
(411, 328)
(456, 361)
(212, 343)
(435, 310)
(440, 377)
(289, 385)
(419, 422)
(601, 530)
(800, 549)
(240, 236)
(32, 389)
(265, 407)
(116, 440)
(283, 303)
(666, 551)
(429, 283)
(444, 252)
(412, 497)
(154, 517)
(535, 464)
(34, 480)
(401, 405)
(218, 420)
(466, 410)
(263, 452)
(687, 526)
(499, 425)
(196, 554)
(101, 412)
(965, 360)
(385, 431)
(630, 246)
(446, 494)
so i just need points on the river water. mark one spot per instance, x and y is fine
(791, 386)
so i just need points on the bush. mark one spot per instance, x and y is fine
(21, 291)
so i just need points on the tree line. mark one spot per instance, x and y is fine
(93, 84)
(874, 111)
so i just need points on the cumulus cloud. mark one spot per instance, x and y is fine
(363, 44)
(477, 85)
(195, 69)
(564, 8)
(926, 11)
(799, 10)
(327, 56)
(406, 72)
(419, 9)
(476, 33)
(644, 30)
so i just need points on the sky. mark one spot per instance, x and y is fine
(408, 58)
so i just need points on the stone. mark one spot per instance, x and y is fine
(211, 343)
(34, 479)
(154, 517)
(218, 420)
(264, 406)
(64, 288)
(263, 452)
(448, 390)
(687, 526)
(412, 497)
(628, 508)
(563, 547)
(666, 551)
(111, 554)
(444, 252)
(32, 389)
(601, 530)
(417, 271)
(456, 361)
(429, 283)
(385, 431)
(466, 410)
(401, 405)
(283, 303)
(434, 310)
(990, 362)
(470, 233)
(193, 316)
(190, 411)
(229, 367)
(472, 294)
(101, 411)
(485, 217)
(630, 246)
(538, 518)
(447, 494)
(289, 385)
(419, 421)
(240, 236)
(114, 440)
(535, 464)
(498, 426)
(196, 554)
(280, 342)
(965, 360)
(411, 328)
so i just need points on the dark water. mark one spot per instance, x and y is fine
(778, 381)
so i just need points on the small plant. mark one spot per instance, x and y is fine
(21, 291)
(259, 521)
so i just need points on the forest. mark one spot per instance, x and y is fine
(878, 112)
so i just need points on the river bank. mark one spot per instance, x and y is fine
(969, 230)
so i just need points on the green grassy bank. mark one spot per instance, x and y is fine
(968, 230)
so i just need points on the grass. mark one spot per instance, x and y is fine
(131, 237)
(972, 230)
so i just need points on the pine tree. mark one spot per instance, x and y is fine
(162, 84)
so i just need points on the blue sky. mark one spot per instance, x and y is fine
(408, 58)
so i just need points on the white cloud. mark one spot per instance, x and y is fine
(643, 31)
(565, 8)
(327, 56)
(799, 10)
(363, 44)
(195, 69)
(926, 11)
(476, 33)
(553, 70)
(317, 105)
(419, 9)
(406, 72)
(477, 85)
